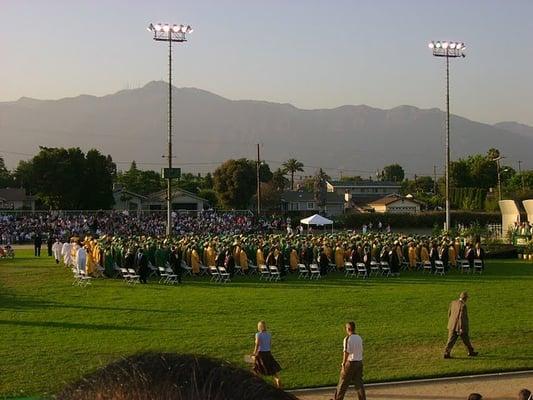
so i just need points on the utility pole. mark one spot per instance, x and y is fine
(258, 181)
(434, 179)
(520, 173)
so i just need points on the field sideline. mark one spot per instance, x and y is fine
(52, 332)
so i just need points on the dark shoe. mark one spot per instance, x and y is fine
(447, 356)
(473, 354)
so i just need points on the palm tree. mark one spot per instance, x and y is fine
(292, 166)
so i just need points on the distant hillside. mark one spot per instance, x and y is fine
(131, 124)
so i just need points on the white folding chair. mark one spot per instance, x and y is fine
(204, 270)
(171, 276)
(162, 274)
(439, 267)
(153, 270)
(361, 270)
(264, 272)
(315, 271)
(125, 275)
(274, 273)
(478, 266)
(465, 266)
(187, 269)
(303, 272)
(349, 269)
(374, 268)
(134, 277)
(385, 268)
(224, 276)
(215, 275)
(238, 270)
(253, 269)
(426, 267)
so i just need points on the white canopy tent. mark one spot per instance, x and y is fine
(316, 220)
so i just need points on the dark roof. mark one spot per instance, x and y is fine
(176, 193)
(296, 196)
(12, 194)
(391, 198)
(122, 190)
(364, 183)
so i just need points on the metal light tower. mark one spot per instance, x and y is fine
(169, 33)
(498, 170)
(447, 50)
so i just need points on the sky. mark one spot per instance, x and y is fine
(310, 53)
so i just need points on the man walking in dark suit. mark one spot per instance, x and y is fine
(37, 242)
(142, 262)
(458, 326)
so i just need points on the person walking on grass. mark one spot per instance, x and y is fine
(352, 364)
(458, 326)
(264, 362)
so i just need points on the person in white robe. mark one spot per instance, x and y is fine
(81, 259)
(56, 250)
(65, 252)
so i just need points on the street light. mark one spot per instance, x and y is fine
(497, 160)
(448, 50)
(170, 33)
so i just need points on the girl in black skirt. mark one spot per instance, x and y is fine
(264, 363)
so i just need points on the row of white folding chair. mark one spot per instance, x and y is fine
(187, 269)
(167, 275)
(269, 273)
(219, 274)
(129, 275)
(80, 277)
(313, 272)
(358, 271)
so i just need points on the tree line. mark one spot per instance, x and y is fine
(71, 179)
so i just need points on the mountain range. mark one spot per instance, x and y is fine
(208, 129)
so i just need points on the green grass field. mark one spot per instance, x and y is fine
(52, 333)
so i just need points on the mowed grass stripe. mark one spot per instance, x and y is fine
(52, 333)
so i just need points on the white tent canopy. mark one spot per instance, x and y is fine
(316, 220)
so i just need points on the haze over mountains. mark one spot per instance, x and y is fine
(208, 129)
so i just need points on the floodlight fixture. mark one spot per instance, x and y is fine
(448, 49)
(170, 33)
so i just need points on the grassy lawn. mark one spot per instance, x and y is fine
(52, 333)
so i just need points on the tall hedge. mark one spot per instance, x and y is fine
(421, 220)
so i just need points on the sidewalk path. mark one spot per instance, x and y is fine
(504, 386)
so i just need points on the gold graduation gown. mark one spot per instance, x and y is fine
(243, 260)
(424, 254)
(195, 262)
(293, 260)
(339, 257)
(211, 256)
(452, 257)
(412, 257)
(260, 258)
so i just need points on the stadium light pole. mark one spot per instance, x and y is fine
(169, 33)
(498, 170)
(447, 50)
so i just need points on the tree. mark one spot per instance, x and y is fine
(270, 196)
(140, 182)
(279, 181)
(353, 178)
(291, 166)
(235, 183)
(100, 171)
(68, 179)
(6, 179)
(210, 195)
(394, 173)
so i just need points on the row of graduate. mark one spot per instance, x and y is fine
(97, 256)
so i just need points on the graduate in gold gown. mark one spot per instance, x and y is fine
(211, 256)
(259, 257)
(412, 256)
(243, 260)
(293, 260)
(452, 256)
(339, 257)
(424, 253)
(195, 262)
